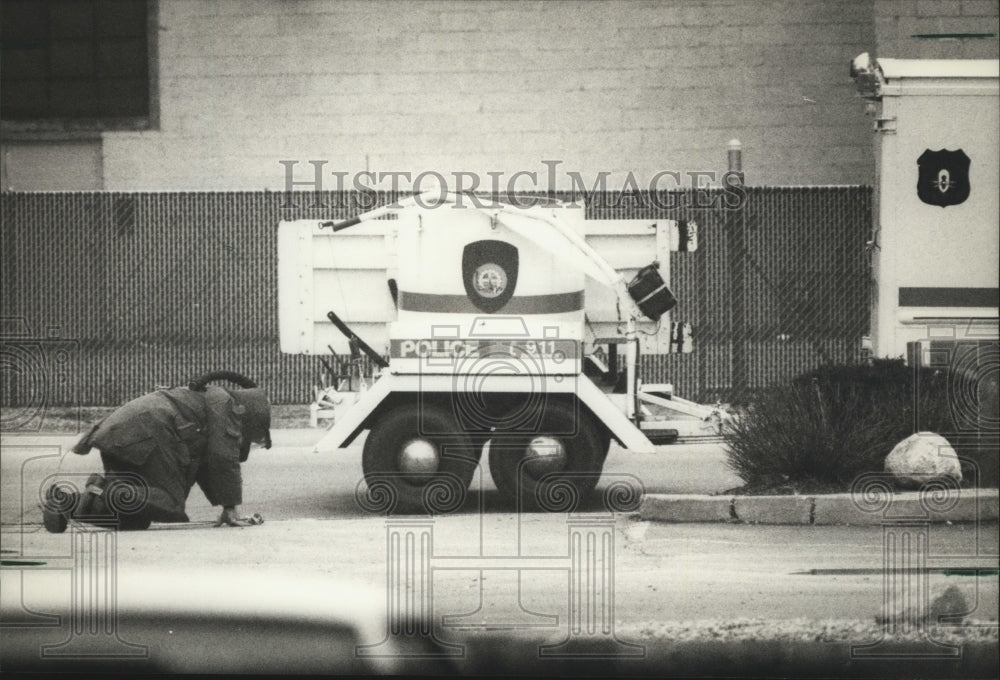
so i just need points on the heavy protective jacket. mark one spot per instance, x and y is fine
(177, 437)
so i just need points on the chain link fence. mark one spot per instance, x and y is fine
(107, 295)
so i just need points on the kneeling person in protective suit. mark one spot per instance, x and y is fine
(156, 447)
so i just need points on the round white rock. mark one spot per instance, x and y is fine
(922, 457)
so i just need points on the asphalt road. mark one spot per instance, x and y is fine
(290, 481)
(684, 581)
(695, 579)
(674, 571)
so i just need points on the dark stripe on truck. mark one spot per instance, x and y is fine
(949, 297)
(557, 303)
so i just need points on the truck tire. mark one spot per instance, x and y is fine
(479, 441)
(553, 468)
(417, 460)
(604, 447)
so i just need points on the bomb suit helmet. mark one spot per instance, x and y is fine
(253, 405)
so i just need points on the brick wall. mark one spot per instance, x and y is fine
(927, 29)
(501, 86)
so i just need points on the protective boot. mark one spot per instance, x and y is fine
(91, 506)
(63, 504)
(58, 505)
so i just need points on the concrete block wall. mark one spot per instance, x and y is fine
(636, 85)
(927, 29)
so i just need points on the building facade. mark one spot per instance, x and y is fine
(176, 95)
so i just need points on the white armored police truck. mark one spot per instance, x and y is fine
(503, 323)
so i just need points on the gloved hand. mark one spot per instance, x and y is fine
(230, 517)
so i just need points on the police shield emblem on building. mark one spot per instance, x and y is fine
(489, 272)
(944, 177)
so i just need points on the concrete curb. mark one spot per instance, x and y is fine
(968, 505)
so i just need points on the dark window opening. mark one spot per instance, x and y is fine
(84, 63)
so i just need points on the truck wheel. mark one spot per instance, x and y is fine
(553, 468)
(416, 459)
(604, 447)
(479, 441)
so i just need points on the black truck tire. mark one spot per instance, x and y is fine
(417, 460)
(554, 467)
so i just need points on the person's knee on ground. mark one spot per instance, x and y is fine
(114, 502)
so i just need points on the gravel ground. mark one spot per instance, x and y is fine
(802, 630)
(794, 648)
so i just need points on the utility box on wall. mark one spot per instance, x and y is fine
(934, 246)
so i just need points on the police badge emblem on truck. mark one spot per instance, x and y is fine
(944, 177)
(489, 272)
(490, 280)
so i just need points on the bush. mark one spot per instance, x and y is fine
(834, 423)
